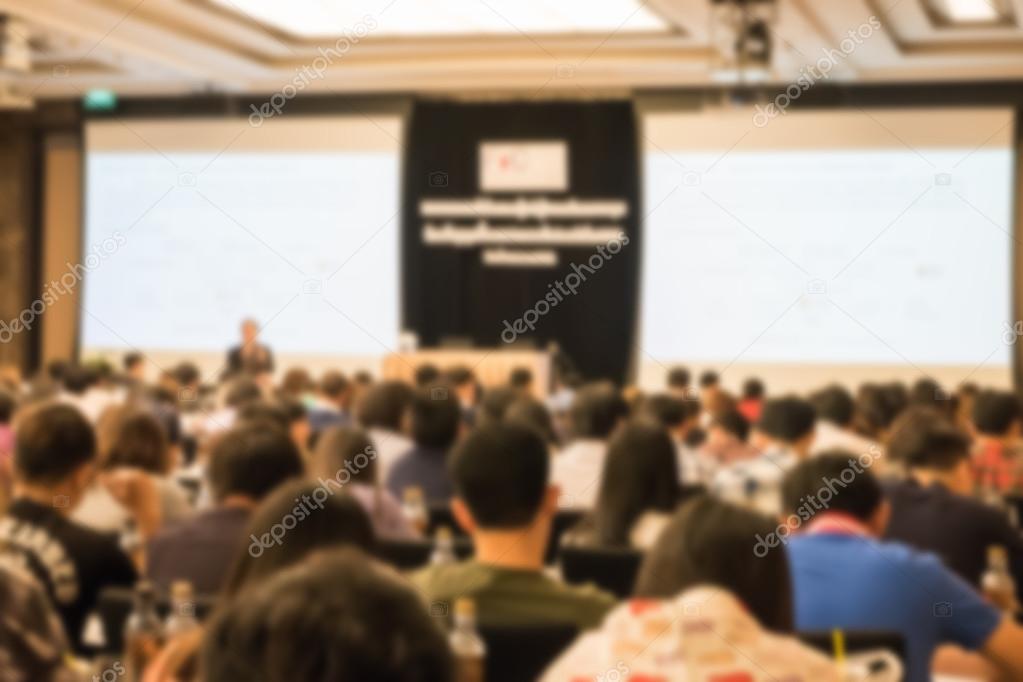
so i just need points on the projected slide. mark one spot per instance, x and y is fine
(294, 224)
(834, 239)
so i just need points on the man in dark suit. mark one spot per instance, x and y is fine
(250, 356)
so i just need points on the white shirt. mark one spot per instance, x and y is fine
(577, 471)
(756, 483)
(694, 467)
(390, 446)
(831, 436)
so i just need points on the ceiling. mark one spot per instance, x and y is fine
(167, 47)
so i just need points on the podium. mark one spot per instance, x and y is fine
(492, 367)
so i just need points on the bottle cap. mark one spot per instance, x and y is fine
(996, 553)
(465, 607)
(181, 590)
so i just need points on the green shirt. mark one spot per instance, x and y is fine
(509, 596)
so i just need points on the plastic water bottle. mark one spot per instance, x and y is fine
(143, 632)
(443, 547)
(469, 648)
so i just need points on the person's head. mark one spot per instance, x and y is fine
(462, 379)
(383, 406)
(54, 450)
(78, 379)
(521, 379)
(788, 421)
(839, 482)
(8, 404)
(295, 520)
(250, 460)
(931, 448)
(134, 365)
(834, 404)
(875, 410)
(997, 414)
(728, 427)
(427, 374)
(709, 380)
(345, 448)
(339, 616)
(335, 388)
(711, 542)
(640, 475)
(241, 391)
(296, 383)
(500, 475)
(678, 379)
(494, 405)
(533, 414)
(597, 409)
(676, 415)
(250, 330)
(435, 417)
(138, 440)
(753, 389)
(186, 375)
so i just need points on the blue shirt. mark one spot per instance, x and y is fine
(424, 468)
(857, 583)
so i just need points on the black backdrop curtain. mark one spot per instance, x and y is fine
(449, 293)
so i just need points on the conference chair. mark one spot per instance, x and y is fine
(116, 604)
(563, 520)
(614, 569)
(408, 555)
(522, 652)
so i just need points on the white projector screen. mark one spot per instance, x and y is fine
(851, 246)
(202, 222)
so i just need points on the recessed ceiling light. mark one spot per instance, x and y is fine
(328, 18)
(971, 11)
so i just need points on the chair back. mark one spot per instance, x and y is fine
(115, 605)
(408, 555)
(522, 652)
(614, 570)
(563, 520)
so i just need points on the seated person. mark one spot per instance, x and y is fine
(329, 407)
(680, 418)
(844, 577)
(435, 418)
(597, 410)
(752, 402)
(504, 502)
(783, 437)
(245, 465)
(356, 620)
(997, 460)
(54, 451)
(692, 590)
(836, 414)
(381, 410)
(727, 437)
(638, 491)
(933, 509)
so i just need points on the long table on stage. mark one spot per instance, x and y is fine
(491, 366)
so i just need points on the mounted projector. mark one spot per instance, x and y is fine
(15, 51)
(741, 34)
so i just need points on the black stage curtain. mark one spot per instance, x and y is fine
(449, 293)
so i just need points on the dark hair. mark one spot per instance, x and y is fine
(520, 377)
(52, 442)
(242, 391)
(138, 440)
(333, 385)
(460, 375)
(532, 414)
(640, 475)
(733, 422)
(78, 379)
(130, 360)
(709, 541)
(337, 446)
(922, 439)
(264, 413)
(252, 460)
(494, 405)
(8, 404)
(709, 378)
(500, 472)
(854, 490)
(383, 405)
(995, 411)
(753, 389)
(435, 416)
(596, 410)
(186, 373)
(296, 381)
(666, 410)
(927, 391)
(834, 404)
(322, 519)
(426, 374)
(337, 616)
(787, 419)
(877, 407)
(678, 377)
